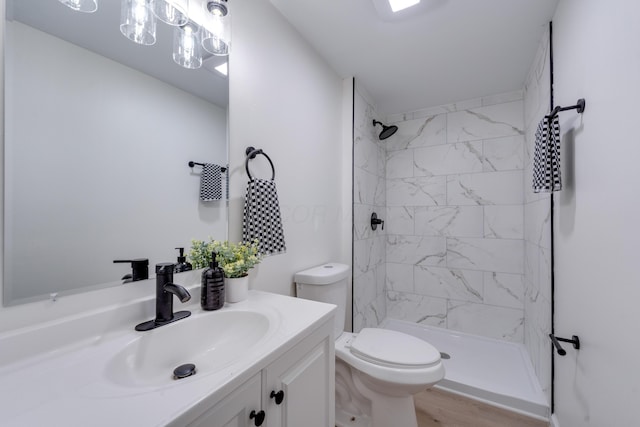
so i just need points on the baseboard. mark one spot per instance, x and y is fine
(554, 421)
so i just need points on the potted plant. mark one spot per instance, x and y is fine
(235, 260)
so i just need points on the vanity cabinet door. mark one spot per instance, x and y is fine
(300, 386)
(235, 409)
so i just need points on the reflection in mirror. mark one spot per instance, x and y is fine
(99, 132)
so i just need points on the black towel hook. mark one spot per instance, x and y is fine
(251, 153)
(580, 105)
(556, 343)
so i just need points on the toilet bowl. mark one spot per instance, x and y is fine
(377, 370)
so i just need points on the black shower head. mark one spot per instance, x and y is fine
(387, 131)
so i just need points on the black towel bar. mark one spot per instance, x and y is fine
(579, 106)
(192, 164)
(251, 154)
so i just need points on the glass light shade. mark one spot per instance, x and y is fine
(172, 12)
(216, 36)
(137, 22)
(214, 45)
(187, 47)
(87, 6)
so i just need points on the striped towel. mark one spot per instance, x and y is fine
(261, 219)
(546, 158)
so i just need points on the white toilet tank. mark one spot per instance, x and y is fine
(326, 283)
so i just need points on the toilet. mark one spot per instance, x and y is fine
(377, 370)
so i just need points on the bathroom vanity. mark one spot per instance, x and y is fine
(265, 361)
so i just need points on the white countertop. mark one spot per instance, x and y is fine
(70, 385)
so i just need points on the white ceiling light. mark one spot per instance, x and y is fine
(398, 10)
(398, 5)
(222, 69)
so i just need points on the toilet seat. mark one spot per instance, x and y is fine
(376, 365)
(394, 349)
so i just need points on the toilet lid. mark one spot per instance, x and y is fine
(392, 348)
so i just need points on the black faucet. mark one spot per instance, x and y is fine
(139, 269)
(165, 290)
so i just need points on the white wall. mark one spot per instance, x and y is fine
(597, 57)
(97, 169)
(287, 101)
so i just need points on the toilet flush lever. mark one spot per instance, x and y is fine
(375, 221)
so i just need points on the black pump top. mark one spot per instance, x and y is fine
(181, 258)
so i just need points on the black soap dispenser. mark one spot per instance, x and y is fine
(212, 289)
(182, 264)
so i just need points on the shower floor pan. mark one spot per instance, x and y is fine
(489, 370)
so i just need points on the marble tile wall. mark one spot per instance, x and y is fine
(537, 227)
(369, 195)
(455, 219)
(466, 244)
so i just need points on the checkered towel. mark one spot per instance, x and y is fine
(546, 158)
(211, 182)
(262, 217)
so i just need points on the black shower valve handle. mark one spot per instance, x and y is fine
(375, 221)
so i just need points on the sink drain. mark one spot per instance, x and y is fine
(444, 355)
(184, 371)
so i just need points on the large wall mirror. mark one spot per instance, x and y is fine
(98, 135)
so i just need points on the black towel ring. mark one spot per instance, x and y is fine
(251, 154)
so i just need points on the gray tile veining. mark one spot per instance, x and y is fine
(418, 191)
(448, 159)
(492, 121)
(457, 221)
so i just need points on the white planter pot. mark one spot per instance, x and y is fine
(236, 289)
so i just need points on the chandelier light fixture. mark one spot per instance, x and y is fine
(200, 25)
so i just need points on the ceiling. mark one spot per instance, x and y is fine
(100, 33)
(448, 51)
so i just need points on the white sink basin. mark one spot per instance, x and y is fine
(210, 340)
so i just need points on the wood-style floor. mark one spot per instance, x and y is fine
(438, 408)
